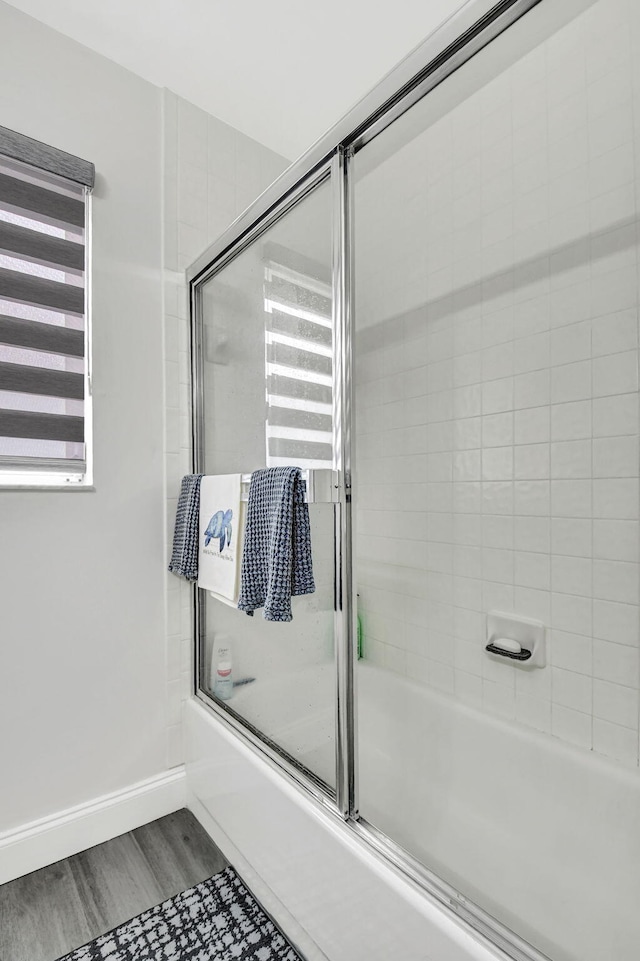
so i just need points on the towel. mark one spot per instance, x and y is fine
(219, 554)
(233, 601)
(276, 559)
(184, 557)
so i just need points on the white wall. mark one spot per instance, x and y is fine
(96, 636)
(498, 379)
(82, 676)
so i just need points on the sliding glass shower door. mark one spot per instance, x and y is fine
(266, 373)
(496, 263)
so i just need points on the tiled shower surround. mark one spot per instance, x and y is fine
(497, 386)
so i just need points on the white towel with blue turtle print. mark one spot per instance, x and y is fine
(238, 533)
(276, 557)
(218, 551)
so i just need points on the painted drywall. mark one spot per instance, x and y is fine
(82, 658)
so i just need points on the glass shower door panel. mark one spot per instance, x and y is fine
(267, 366)
(496, 396)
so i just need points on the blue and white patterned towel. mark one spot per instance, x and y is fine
(184, 557)
(276, 558)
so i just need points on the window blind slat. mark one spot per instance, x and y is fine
(294, 295)
(300, 449)
(44, 337)
(42, 248)
(290, 417)
(68, 465)
(302, 389)
(41, 380)
(36, 426)
(301, 359)
(39, 200)
(40, 292)
(296, 327)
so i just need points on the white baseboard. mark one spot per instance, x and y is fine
(60, 835)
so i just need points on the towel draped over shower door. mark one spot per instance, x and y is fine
(276, 558)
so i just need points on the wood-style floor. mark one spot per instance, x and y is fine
(50, 912)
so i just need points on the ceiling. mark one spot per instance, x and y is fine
(281, 71)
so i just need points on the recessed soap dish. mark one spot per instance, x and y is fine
(520, 640)
(507, 648)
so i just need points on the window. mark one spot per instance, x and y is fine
(45, 387)
(299, 364)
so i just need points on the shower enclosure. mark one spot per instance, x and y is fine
(435, 314)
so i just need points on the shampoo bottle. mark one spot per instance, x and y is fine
(222, 668)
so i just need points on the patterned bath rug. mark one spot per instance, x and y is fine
(217, 920)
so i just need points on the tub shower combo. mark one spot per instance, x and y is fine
(434, 313)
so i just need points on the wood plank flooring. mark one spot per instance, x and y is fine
(50, 912)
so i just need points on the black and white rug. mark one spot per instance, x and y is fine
(217, 920)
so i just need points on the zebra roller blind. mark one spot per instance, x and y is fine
(44, 376)
(299, 367)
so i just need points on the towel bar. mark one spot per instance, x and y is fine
(322, 486)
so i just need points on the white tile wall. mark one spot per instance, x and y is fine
(211, 173)
(497, 386)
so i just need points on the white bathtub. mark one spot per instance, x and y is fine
(544, 837)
